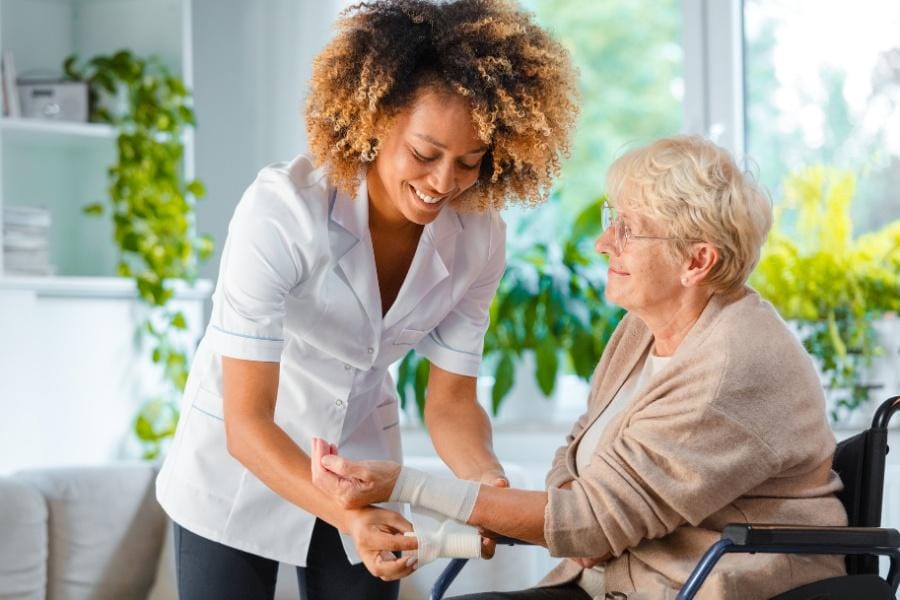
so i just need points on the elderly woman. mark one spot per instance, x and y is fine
(704, 408)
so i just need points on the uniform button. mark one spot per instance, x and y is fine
(339, 403)
(347, 367)
(370, 350)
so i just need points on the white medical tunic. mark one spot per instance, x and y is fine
(297, 285)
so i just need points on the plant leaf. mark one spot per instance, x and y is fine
(504, 378)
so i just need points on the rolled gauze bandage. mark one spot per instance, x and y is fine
(440, 537)
(454, 498)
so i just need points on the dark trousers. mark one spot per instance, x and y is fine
(569, 591)
(207, 569)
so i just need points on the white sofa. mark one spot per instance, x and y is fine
(97, 532)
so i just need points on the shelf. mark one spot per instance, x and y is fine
(57, 133)
(95, 287)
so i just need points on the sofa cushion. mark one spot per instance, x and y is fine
(23, 542)
(105, 530)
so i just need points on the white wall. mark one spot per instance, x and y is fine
(251, 67)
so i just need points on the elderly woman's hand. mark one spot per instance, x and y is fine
(588, 563)
(353, 484)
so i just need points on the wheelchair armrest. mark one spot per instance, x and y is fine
(508, 541)
(774, 536)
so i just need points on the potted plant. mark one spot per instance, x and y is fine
(549, 304)
(152, 209)
(831, 284)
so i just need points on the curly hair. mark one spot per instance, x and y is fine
(519, 82)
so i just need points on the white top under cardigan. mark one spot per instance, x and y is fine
(591, 580)
(297, 285)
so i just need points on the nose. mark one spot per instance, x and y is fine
(605, 244)
(442, 178)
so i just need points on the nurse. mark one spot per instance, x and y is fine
(424, 120)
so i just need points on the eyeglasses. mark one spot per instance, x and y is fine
(609, 217)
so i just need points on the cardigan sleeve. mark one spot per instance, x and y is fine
(559, 472)
(666, 468)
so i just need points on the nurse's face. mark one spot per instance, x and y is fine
(428, 157)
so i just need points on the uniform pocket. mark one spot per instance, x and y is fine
(409, 337)
(387, 419)
(209, 403)
(388, 414)
(204, 460)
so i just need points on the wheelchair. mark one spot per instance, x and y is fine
(860, 462)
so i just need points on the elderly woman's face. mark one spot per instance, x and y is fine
(429, 156)
(645, 275)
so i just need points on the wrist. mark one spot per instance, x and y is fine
(347, 519)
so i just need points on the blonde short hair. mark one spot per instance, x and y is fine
(698, 192)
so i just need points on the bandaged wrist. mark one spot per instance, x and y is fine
(454, 498)
(441, 537)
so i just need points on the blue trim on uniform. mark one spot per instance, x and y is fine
(249, 337)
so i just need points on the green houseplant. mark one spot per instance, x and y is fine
(151, 208)
(831, 284)
(549, 302)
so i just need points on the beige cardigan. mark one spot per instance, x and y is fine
(732, 430)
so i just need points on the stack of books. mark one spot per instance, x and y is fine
(26, 240)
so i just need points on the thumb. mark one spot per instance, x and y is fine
(341, 466)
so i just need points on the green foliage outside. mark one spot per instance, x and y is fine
(833, 284)
(152, 210)
(549, 302)
(629, 58)
(775, 138)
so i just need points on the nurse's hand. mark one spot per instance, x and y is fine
(353, 484)
(378, 533)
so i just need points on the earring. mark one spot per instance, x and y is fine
(684, 281)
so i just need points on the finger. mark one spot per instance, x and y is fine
(315, 457)
(347, 468)
(392, 541)
(502, 482)
(395, 521)
(389, 567)
(337, 464)
(488, 547)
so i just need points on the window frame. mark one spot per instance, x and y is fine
(713, 46)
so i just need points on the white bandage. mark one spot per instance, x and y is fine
(454, 498)
(440, 537)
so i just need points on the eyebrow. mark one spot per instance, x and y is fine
(434, 142)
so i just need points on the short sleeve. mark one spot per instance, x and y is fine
(264, 258)
(456, 344)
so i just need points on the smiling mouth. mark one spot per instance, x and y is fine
(431, 201)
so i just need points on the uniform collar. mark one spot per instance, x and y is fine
(352, 247)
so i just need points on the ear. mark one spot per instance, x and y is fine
(699, 263)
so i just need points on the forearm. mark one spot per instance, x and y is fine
(514, 513)
(461, 433)
(276, 460)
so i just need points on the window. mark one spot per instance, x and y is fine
(629, 58)
(823, 87)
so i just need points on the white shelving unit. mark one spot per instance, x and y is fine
(72, 374)
(62, 165)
